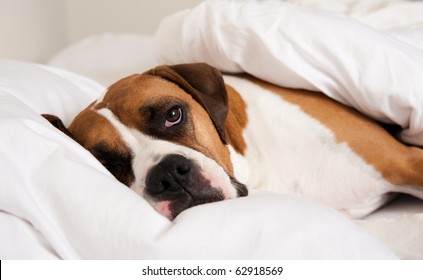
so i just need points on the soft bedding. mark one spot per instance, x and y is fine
(57, 201)
(378, 73)
(107, 57)
(370, 58)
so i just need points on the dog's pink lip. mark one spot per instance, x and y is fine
(163, 207)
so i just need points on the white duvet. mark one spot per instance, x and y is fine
(378, 73)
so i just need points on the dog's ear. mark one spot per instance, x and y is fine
(205, 84)
(57, 123)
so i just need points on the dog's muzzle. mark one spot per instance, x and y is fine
(177, 183)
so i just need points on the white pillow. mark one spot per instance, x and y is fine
(107, 57)
(46, 89)
(79, 210)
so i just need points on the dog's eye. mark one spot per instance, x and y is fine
(173, 116)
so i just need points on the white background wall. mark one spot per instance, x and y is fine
(89, 16)
(33, 30)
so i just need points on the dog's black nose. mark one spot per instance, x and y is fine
(170, 174)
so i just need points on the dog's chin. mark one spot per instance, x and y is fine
(171, 208)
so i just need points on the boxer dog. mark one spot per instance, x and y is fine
(184, 135)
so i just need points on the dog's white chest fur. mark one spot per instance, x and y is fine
(290, 152)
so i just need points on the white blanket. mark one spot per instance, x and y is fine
(378, 73)
(58, 201)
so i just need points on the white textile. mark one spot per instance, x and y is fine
(377, 72)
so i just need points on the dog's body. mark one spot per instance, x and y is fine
(181, 136)
(305, 143)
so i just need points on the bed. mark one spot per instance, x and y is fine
(58, 202)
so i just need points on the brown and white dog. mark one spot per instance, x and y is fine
(179, 137)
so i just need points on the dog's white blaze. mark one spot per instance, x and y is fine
(148, 151)
(309, 162)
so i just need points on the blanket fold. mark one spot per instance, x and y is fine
(378, 73)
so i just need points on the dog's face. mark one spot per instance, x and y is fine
(162, 133)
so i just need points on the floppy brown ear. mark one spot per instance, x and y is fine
(57, 123)
(205, 84)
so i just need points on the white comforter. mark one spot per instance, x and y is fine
(57, 201)
(378, 73)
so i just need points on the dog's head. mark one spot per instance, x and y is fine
(162, 133)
